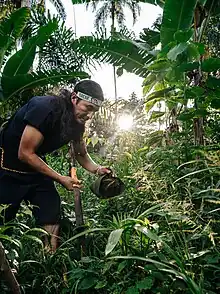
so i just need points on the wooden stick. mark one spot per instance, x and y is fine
(77, 198)
(7, 272)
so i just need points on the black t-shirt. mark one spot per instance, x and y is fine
(41, 113)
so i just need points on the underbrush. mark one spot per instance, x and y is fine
(160, 236)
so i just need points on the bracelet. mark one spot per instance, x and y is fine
(97, 170)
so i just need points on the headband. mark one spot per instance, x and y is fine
(88, 98)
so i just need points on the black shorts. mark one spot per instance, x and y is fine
(42, 194)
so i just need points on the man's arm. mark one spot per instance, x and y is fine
(31, 139)
(86, 161)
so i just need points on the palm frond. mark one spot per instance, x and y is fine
(60, 8)
(12, 86)
(14, 24)
(21, 61)
(135, 9)
(101, 16)
(11, 28)
(153, 2)
(151, 37)
(123, 53)
(57, 52)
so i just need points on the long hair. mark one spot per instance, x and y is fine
(70, 128)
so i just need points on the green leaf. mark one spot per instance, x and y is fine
(113, 240)
(211, 64)
(174, 76)
(82, 234)
(192, 174)
(87, 283)
(132, 290)
(101, 284)
(177, 15)
(11, 29)
(152, 38)
(215, 103)
(202, 2)
(198, 254)
(33, 238)
(213, 6)
(194, 92)
(183, 36)
(14, 85)
(94, 140)
(155, 115)
(3, 207)
(146, 232)
(201, 48)
(149, 82)
(202, 112)
(178, 49)
(145, 284)
(150, 104)
(27, 211)
(163, 53)
(213, 82)
(159, 94)
(21, 61)
(122, 265)
(11, 240)
(4, 228)
(158, 276)
(185, 116)
(14, 24)
(38, 230)
(193, 52)
(147, 260)
(188, 66)
(159, 65)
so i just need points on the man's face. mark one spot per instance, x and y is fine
(84, 110)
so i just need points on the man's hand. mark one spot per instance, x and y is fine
(69, 183)
(101, 170)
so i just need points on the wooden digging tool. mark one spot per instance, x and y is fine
(77, 199)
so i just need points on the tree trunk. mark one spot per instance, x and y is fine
(198, 122)
(198, 131)
(114, 69)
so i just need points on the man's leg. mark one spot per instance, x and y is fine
(46, 210)
(11, 195)
(53, 230)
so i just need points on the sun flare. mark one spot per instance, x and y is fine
(125, 122)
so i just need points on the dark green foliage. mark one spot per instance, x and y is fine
(18, 73)
(162, 234)
(113, 51)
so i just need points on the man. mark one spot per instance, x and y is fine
(43, 125)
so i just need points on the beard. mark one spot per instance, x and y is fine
(71, 128)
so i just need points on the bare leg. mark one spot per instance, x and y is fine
(53, 230)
